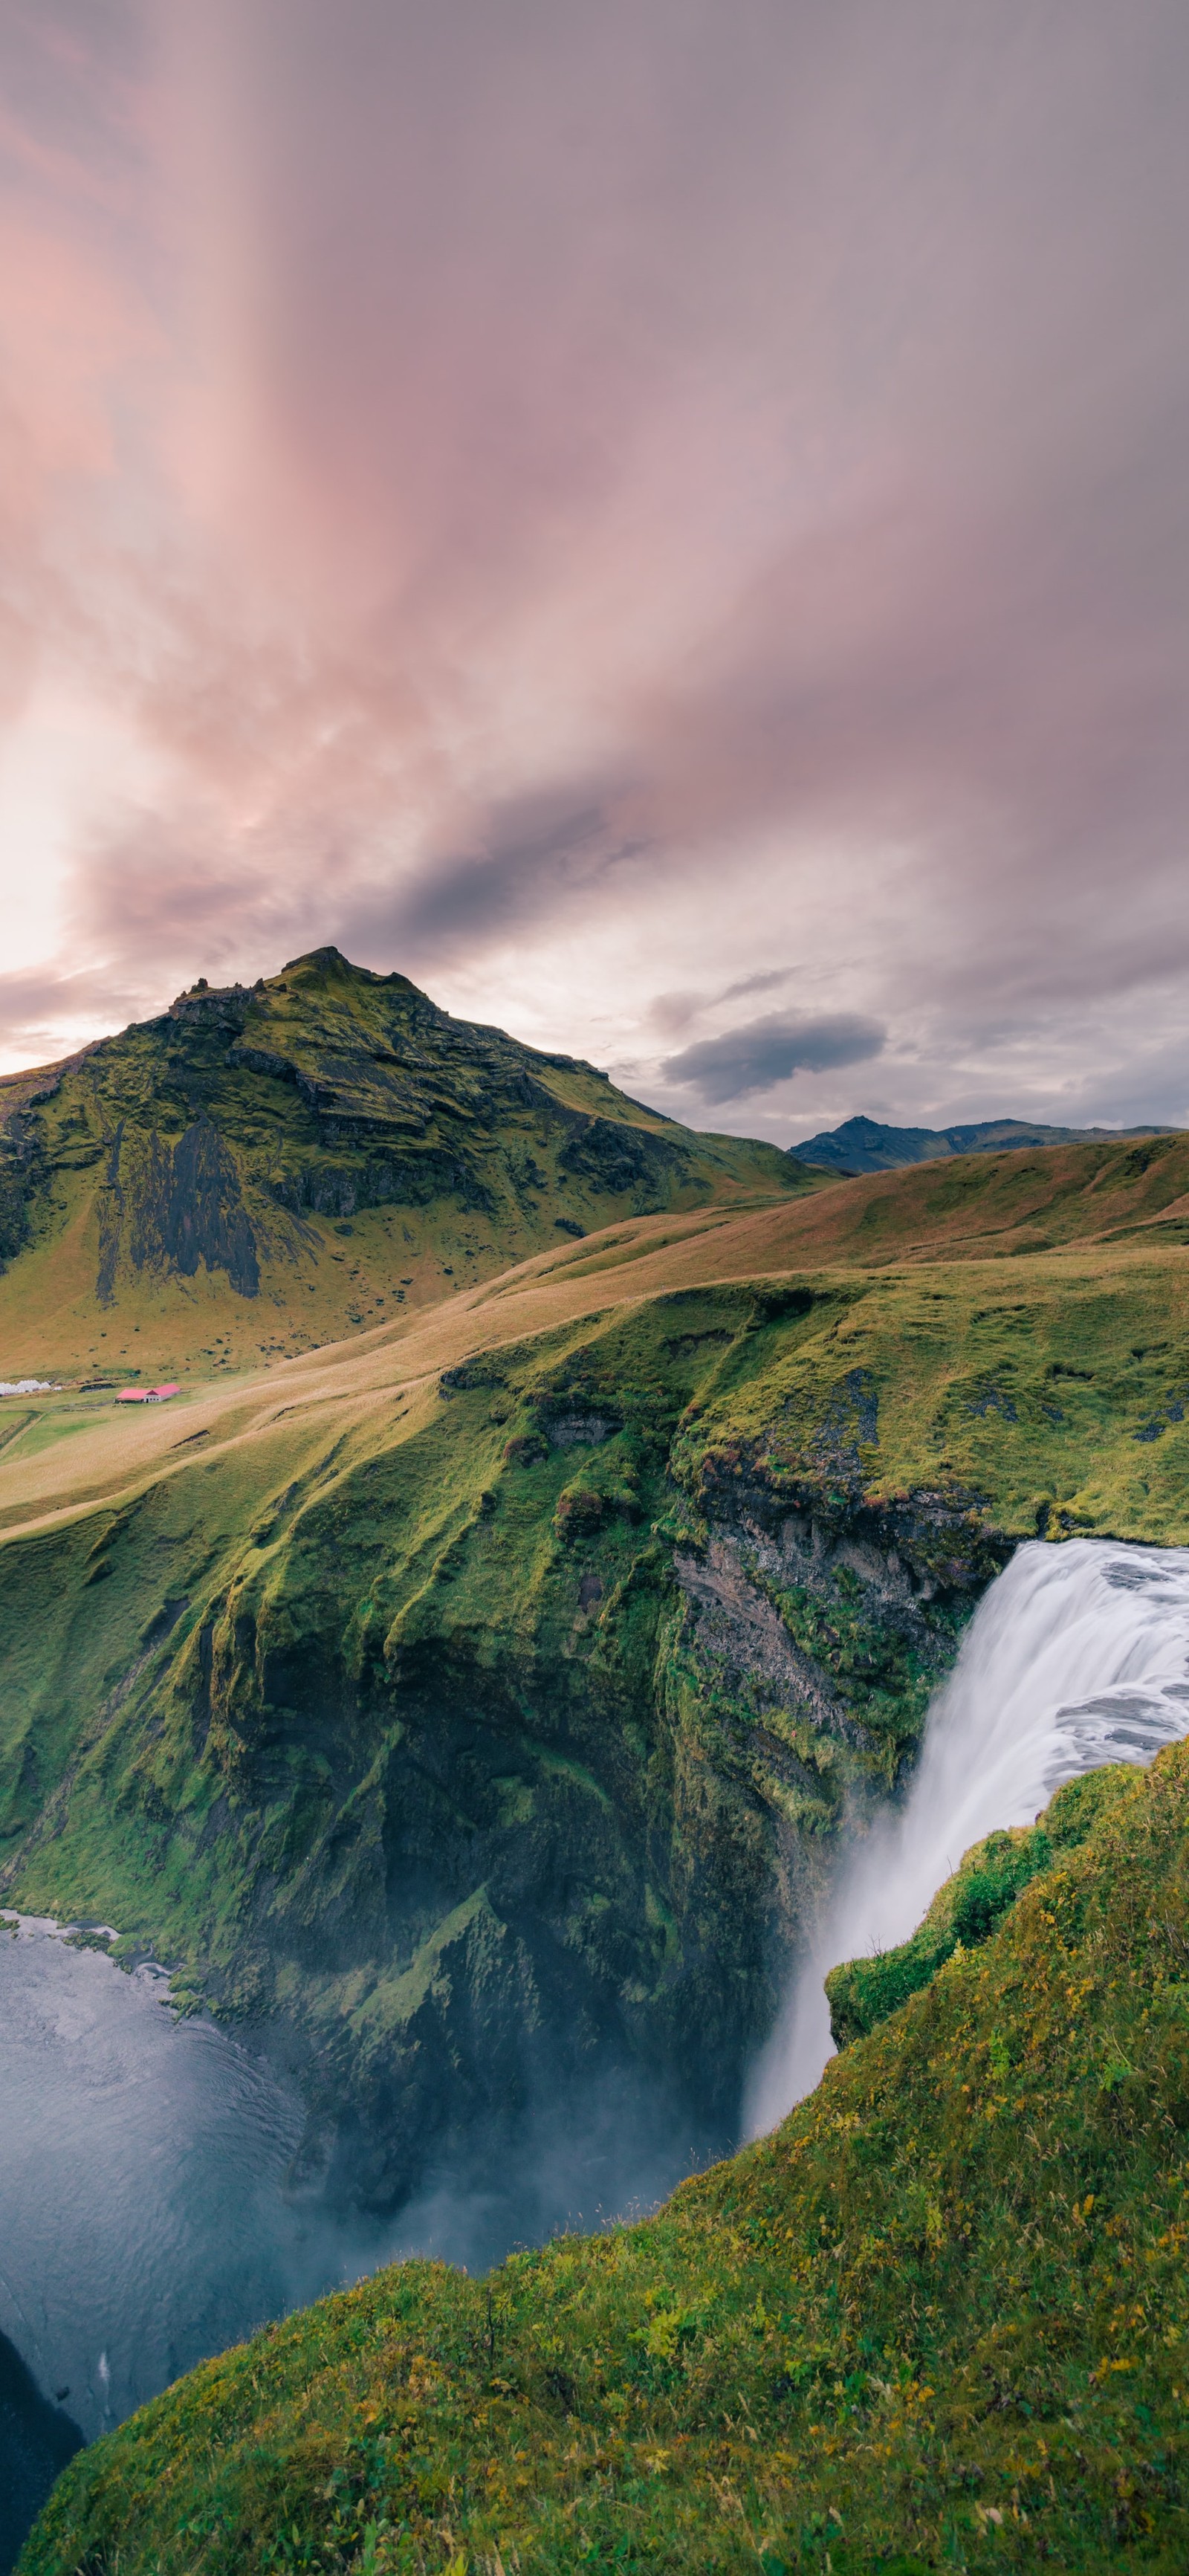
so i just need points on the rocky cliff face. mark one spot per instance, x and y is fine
(505, 1759)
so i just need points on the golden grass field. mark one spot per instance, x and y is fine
(1077, 1224)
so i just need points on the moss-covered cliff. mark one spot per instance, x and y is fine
(939, 2321)
(494, 1751)
(485, 1730)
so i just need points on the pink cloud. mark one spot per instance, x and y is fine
(563, 494)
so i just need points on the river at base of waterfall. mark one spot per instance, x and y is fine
(150, 2215)
(141, 2178)
(1078, 1655)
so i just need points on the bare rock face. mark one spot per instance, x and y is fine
(169, 1207)
(36, 2441)
(739, 1626)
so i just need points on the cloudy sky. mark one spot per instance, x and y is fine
(665, 520)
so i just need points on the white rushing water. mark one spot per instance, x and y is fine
(1078, 1655)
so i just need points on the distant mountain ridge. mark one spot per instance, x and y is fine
(864, 1145)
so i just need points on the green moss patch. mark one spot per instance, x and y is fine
(969, 1907)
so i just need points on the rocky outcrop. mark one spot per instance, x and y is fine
(171, 1207)
(738, 1628)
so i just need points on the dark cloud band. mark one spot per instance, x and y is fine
(765, 1052)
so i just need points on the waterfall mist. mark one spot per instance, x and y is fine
(1078, 1655)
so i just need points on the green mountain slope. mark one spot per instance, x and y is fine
(1002, 1205)
(886, 2338)
(188, 1189)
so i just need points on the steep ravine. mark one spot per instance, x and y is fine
(487, 1766)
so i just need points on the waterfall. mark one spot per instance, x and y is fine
(1077, 1655)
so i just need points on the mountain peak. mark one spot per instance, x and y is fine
(188, 1180)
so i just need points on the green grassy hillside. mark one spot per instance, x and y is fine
(467, 1715)
(1109, 1266)
(1007, 1205)
(261, 1170)
(886, 2338)
(970, 1906)
(484, 1679)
